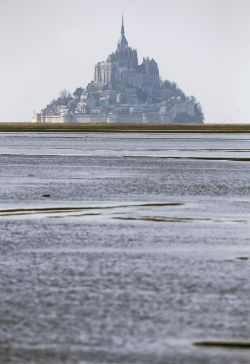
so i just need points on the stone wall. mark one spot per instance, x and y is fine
(83, 119)
(184, 107)
(125, 119)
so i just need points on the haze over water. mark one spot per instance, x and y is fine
(123, 248)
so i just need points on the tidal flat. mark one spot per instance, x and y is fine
(124, 247)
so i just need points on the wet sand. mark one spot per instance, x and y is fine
(124, 248)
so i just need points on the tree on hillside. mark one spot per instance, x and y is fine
(198, 112)
(171, 89)
(78, 92)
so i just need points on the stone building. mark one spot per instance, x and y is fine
(122, 66)
(123, 91)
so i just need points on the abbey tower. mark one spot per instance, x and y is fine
(122, 67)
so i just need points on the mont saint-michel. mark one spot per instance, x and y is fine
(124, 91)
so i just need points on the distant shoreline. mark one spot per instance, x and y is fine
(131, 128)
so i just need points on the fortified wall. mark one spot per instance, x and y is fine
(63, 119)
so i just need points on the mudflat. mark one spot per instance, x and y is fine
(124, 248)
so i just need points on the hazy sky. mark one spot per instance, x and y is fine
(202, 45)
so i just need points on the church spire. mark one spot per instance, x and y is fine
(122, 41)
(122, 28)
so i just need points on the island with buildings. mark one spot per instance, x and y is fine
(124, 91)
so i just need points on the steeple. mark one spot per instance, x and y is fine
(122, 28)
(122, 41)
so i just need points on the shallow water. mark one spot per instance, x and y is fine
(124, 248)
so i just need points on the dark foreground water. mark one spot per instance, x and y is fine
(124, 248)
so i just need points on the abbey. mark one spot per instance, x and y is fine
(122, 67)
(123, 91)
